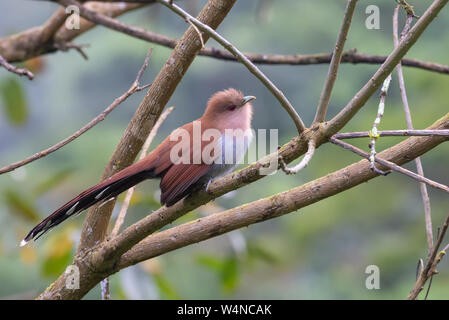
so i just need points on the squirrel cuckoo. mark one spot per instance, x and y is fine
(226, 111)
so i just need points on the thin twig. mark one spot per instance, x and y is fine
(66, 46)
(304, 162)
(11, 68)
(350, 56)
(135, 87)
(395, 57)
(392, 133)
(245, 61)
(335, 63)
(196, 29)
(390, 165)
(430, 268)
(408, 118)
(374, 134)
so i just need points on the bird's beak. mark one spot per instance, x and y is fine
(246, 100)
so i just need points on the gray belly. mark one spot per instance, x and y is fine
(232, 153)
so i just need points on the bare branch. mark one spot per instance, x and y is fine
(323, 103)
(135, 87)
(14, 69)
(148, 112)
(52, 25)
(408, 119)
(149, 36)
(28, 44)
(391, 165)
(430, 268)
(359, 100)
(271, 207)
(245, 61)
(304, 162)
(392, 133)
(374, 135)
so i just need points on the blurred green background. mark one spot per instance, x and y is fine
(320, 252)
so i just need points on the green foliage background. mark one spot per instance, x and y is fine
(321, 251)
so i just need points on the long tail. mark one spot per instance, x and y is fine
(103, 191)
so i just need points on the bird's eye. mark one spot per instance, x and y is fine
(231, 107)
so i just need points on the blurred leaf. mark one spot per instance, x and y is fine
(227, 270)
(210, 262)
(58, 253)
(230, 274)
(260, 252)
(167, 290)
(21, 205)
(14, 101)
(53, 181)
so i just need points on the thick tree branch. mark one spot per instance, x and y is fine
(277, 205)
(134, 136)
(97, 260)
(148, 112)
(92, 271)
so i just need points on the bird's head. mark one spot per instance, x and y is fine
(229, 109)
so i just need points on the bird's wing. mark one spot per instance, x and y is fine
(180, 178)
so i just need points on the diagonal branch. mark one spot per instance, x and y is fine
(390, 165)
(373, 134)
(408, 119)
(28, 44)
(392, 133)
(148, 112)
(245, 61)
(135, 87)
(11, 68)
(359, 100)
(277, 205)
(323, 103)
(430, 269)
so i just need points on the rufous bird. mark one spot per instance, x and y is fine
(226, 110)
